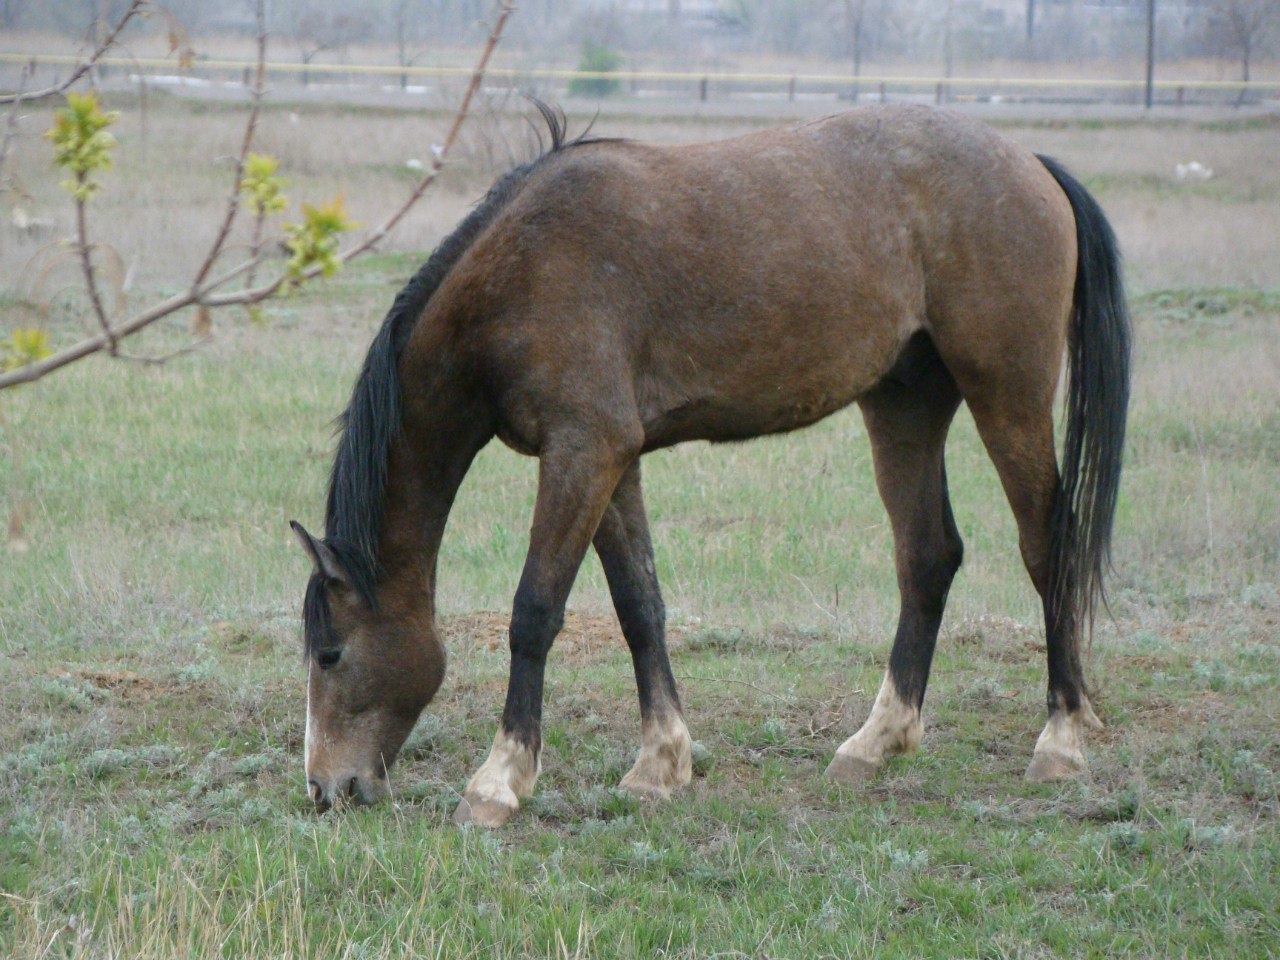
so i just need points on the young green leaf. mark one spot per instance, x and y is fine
(263, 190)
(314, 242)
(25, 345)
(81, 144)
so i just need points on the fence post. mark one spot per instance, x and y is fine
(937, 93)
(702, 89)
(883, 98)
(791, 89)
(1181, 93)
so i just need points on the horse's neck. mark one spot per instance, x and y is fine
(424, 471)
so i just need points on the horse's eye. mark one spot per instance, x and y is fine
(328, 658)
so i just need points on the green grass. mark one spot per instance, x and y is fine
(151, 694)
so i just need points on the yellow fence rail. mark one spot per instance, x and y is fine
(789, 80)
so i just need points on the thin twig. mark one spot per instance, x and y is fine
(91, 345)
(250, 128)
(505, 9)
(255, 245)
(256, 295)
(11, 121)
(166, 357)
(203, 293)
(767, 693)
(103, 46)
(85, 250)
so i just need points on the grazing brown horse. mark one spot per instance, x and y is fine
(612, 298)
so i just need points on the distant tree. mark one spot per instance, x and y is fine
(855, 14)
(1243, 26)
(407, 16)
(10, 11)
(597, 59)
(317, 28)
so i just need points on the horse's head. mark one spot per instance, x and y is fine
(372, 666)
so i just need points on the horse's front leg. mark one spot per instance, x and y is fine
(626, 552)
(576, 478)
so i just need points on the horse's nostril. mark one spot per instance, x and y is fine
(352, 786)
(316, 791)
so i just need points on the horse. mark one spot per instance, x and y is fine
(611, 298)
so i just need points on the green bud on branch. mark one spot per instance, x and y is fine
(314, 242)
(81, 144)
(263, 190)
(25, 345)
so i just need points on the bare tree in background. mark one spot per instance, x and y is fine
(408, 16)
(1243, 26)
(855, 13)
(319, 28)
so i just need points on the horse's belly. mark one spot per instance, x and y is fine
(769, 378)
(764, 408)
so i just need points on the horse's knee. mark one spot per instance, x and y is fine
(931, 571)
(949, 560)
(535, 621)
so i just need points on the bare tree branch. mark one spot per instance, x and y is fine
(505, 9)
(105, 44)
(202, 291)
(166, 357)
(85, 250)
(34, 371)
(250, 128)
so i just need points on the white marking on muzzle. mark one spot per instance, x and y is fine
(308, 737)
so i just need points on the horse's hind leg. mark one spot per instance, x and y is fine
(622, 542)
(1016, 427)
(907, 418)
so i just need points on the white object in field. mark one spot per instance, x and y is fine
(1194, 170)
(28, 226)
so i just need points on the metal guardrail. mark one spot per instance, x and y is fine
(790, 81)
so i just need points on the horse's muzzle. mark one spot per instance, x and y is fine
(344, 791)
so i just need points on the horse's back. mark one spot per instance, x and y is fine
(758, 284)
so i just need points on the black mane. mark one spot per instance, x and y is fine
(370, 424)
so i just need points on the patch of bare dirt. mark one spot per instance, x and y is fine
(583, 638)
(1197, 709)
(124, 683)
(1141, 663)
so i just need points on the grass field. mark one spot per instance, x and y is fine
(151, 689)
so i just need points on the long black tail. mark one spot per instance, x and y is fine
(1097, 403)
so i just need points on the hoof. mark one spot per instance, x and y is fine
(852, 770)
(1055, 767)
(483, 813)
(643, 790)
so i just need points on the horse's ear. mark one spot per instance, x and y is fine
(321, 555)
